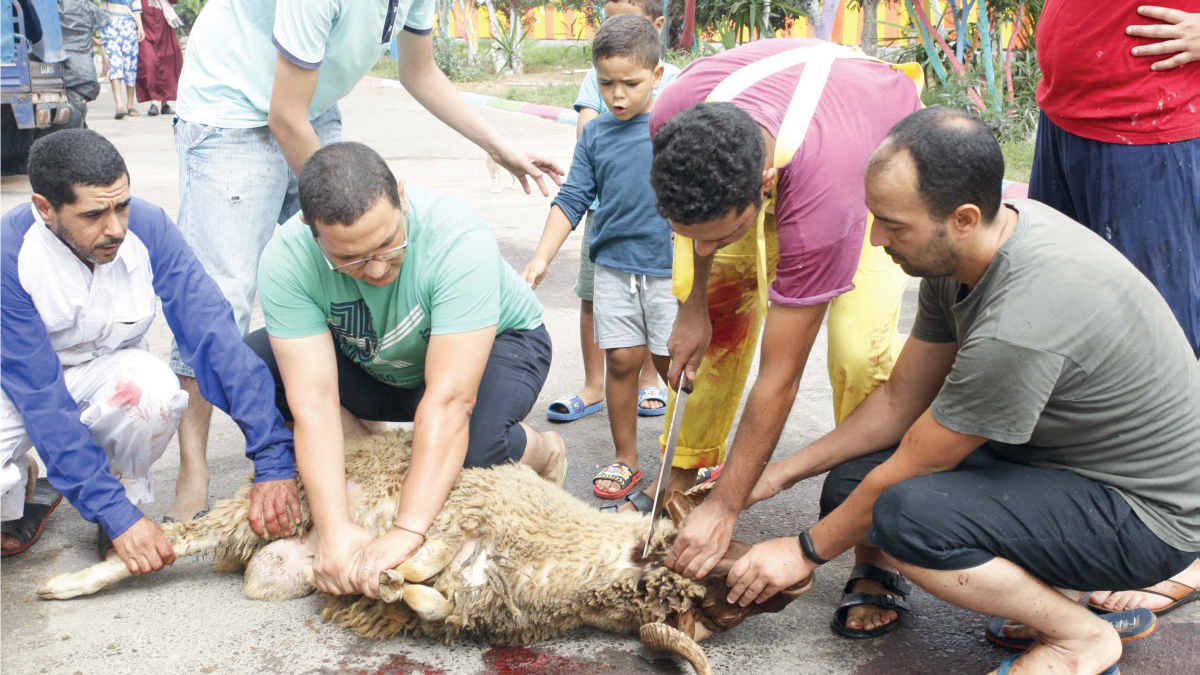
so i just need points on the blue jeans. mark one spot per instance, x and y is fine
(1143, 199)
(234, 188)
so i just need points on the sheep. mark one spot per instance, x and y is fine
(511, 559)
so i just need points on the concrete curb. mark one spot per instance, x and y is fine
(553, 113)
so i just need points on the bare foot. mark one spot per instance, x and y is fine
(612, 487)
(557, 449)
(191, 493)
(868, 617)
(1122, 600)
(592, 395)
(9, 542)
(1095, 650)
(650, 404)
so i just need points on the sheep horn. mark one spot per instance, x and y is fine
(664, 638)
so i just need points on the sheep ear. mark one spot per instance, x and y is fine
(680, 504)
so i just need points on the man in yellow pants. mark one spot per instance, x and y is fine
(763, 186)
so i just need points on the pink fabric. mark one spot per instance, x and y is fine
(820, 210)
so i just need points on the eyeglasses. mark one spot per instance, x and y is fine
(383, 256)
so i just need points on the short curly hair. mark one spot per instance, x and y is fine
(708, 161)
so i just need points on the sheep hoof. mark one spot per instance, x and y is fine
(391, 586)
(427, 602)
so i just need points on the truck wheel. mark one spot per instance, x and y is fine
(14, 144)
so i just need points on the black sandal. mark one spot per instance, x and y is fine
(27, 529)
(891, 581)
(640, 502)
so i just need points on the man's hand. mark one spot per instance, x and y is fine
(689, 340)
(774, 479)
(526, 166)
(1179, 34)
(337, 553)
(383, 554)
(144, 548)
(535, 272)
(703, 539)
(270, 504)
(766, 569)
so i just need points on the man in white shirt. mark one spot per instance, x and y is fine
(80, 269)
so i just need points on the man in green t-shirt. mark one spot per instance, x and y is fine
(1038, 433)
(389, 303)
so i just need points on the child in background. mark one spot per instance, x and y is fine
(630, 243)
(651, 398)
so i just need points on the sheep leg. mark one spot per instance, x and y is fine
(186, 539)
(428, 561)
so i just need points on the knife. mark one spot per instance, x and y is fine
(664, 474)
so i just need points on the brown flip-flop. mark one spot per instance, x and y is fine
(1178, 593)
(28, 528)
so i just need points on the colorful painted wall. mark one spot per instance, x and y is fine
(549, 24)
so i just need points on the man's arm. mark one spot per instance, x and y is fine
(788, 336)
(428, 84)
(928, 447)
(291, 94)
(229, 374)
(454, 368)
(1179, 35)
(585, 115)
(879, 422)
(308, 367)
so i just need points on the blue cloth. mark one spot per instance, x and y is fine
(612, 162)
(1143, 199)
(228, 373)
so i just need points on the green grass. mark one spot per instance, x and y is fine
(1018, 159)
(553, 54)
(561, 95)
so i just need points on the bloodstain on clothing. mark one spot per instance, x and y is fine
(127, 393)
(731, 318)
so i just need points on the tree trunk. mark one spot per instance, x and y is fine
(870, 31)
(824, 26)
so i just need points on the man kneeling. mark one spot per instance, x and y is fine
(82, 265)
(1022, 443)
(392, 304)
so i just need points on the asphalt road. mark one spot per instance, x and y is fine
(190, 619)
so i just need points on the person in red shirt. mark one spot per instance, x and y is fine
(1118, 149)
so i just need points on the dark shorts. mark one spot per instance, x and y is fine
(1143, 199)
(1069, 531)
(512, 380)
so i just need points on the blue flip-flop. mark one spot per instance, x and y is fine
(1008, 661)
(652, 394)
(570, 408)
(1131, 624)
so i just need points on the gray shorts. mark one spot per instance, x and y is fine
(585, 285)
(633, 310)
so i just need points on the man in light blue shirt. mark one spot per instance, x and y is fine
(257, 97)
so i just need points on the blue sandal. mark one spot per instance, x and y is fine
(652, 394)
(570, 408)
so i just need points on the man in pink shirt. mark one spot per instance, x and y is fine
(769, 137)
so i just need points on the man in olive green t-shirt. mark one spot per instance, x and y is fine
(1037, 438)
(392, 304)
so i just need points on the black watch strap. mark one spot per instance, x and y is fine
(810, 552)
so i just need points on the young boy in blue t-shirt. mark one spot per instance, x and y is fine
(589, 399)
(630, 243)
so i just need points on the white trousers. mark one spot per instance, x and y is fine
(130, 401)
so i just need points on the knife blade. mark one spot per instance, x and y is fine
(664, 475)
